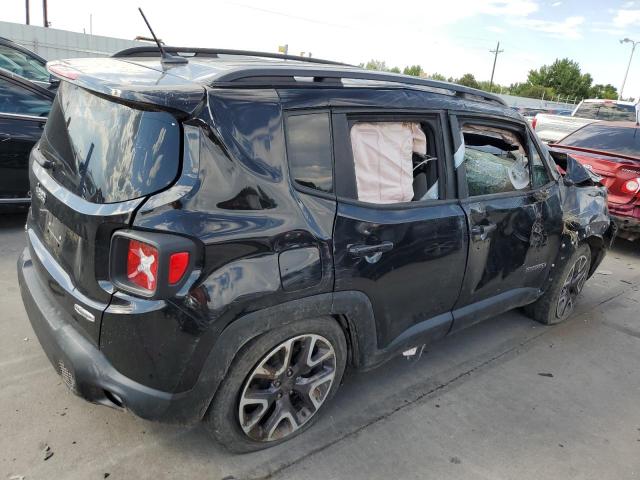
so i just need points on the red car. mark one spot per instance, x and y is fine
(611, 150)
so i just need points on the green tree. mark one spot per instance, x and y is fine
(438, 76)
(532, 91)
(415, 70)
(379, 65)
(468, 80)
(607, 91)
(564, 77)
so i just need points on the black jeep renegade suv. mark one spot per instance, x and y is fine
(220, 239)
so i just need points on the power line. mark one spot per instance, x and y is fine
(495, 58)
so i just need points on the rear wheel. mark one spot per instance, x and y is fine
(277, 385)
(558, 302)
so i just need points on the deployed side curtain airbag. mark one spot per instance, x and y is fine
(382, 154)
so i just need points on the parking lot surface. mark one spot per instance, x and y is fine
(505, 399)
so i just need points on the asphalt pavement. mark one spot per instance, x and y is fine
(505, 399)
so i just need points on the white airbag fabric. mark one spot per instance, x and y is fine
(382, 153)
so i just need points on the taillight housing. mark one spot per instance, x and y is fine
(534, 122)
(151, 264)
(631, 186)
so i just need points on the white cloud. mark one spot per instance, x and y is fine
(495, 29)
(556, 4)
(568, 28)
(625, 18)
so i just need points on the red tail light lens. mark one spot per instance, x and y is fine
(534, 122)
(631, 186)
(142, 265)
(178, 263)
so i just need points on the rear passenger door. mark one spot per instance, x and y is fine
(512, 204)
(408, 253)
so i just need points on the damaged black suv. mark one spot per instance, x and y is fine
(221, 238)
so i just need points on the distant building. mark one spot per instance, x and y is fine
(54, 44)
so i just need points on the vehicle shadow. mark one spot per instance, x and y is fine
(13, 220)
(626, 247)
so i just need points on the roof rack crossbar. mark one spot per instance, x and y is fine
(257, 76)
(150, 51)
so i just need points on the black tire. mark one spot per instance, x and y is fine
(223, 417)
(558, 302)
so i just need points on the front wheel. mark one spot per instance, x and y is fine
(558, 302)
(277, 384)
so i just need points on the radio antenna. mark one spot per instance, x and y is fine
(165, 57)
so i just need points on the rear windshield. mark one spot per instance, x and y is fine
(606, 111)
(107, 152)
(597, 136)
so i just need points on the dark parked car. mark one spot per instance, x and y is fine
(23, 62)
(24, 106)
(221, 238)
(612, 150)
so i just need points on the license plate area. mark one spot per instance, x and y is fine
(57, 236)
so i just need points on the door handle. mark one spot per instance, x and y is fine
(481, 232)
(368, 250)
(4, 137)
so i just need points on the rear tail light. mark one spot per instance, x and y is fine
(142, 265)
(534, 122)
(178, 263)
(150, 264)
(631, 186)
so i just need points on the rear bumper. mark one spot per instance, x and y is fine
(84, 368)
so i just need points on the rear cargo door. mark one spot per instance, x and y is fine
(95, 164)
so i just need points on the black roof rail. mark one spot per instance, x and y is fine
(152, 51)
(278, 75)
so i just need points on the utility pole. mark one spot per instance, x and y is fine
(26, 6)
(495, 58)
(633, 49)
(44, 13)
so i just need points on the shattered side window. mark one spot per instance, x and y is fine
(539, 174)
(495, 160)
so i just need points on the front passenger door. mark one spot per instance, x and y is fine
(514, 224)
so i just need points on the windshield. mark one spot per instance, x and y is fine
(108, 152)
(606, 111)
(22, 64)
(598, 136)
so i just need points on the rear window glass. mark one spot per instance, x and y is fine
(606, 111)
(107, 152)
(309, 150)
(596, 136)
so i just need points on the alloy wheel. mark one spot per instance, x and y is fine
(287, 388)
(572, 286)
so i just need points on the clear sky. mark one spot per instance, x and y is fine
(450, 37)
